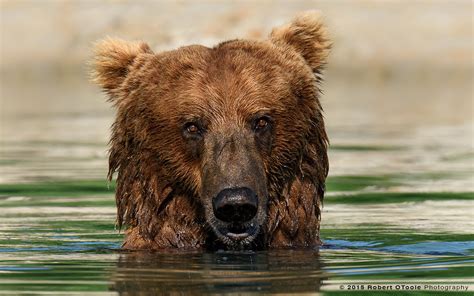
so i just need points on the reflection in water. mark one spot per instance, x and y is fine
(176, 273)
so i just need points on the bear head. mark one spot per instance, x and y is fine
(219, 146)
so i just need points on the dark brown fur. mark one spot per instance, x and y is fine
(162, 177)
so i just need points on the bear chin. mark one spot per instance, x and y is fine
(219, 241)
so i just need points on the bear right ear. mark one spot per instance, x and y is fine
(112, 61)
(306, 35)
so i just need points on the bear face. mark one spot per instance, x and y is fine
(221, 146)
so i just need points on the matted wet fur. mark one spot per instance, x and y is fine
(195, 122)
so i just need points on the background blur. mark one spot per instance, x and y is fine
(400, 75)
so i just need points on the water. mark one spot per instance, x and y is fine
(60, 237)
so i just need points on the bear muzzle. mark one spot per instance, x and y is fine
(236, 209)
(234, 186)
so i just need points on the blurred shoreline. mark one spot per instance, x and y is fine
(59, 35)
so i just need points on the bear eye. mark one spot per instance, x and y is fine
(262, 123)
(192, 129)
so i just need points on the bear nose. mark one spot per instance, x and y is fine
(235, 205)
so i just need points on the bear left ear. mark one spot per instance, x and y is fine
(307, 35)
(112, 62)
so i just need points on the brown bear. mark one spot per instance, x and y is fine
(221, 147)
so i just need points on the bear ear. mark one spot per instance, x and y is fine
(112, 61)
(307, 35)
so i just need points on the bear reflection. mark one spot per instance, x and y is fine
(145, 273)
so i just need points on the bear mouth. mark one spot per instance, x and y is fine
(237, 234)
(240, 232)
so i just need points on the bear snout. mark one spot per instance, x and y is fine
(235, 205)
(236, 212)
